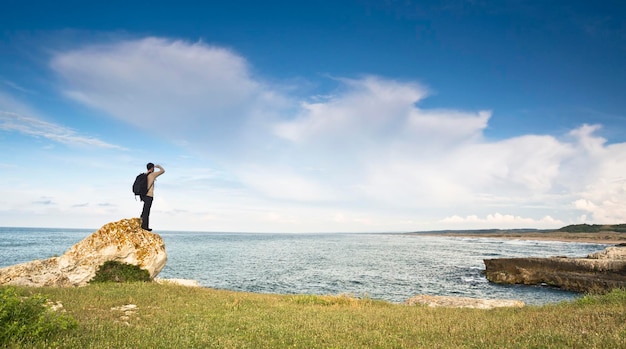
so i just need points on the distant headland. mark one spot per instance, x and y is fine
(592, 233)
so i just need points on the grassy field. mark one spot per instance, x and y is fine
(170, 316)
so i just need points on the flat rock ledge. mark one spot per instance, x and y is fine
(463, 302)
(598, 272)
(123, 241)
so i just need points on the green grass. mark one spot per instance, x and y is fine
(170, 316)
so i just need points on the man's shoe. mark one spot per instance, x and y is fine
(149, 229)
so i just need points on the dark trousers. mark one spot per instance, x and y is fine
(145, 214)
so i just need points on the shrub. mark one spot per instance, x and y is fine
(25, 319)
(113, 271)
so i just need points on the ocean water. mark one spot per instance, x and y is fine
(391, 267)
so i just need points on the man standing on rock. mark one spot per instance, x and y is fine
(147, 199)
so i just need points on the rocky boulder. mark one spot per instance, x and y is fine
(123, 241)
(601, 271)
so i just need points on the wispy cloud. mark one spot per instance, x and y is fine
(17, 87)
(14, 122)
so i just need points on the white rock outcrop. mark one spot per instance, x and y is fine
(463, 302)
(122, 241)
(179, 282)
(613, 252)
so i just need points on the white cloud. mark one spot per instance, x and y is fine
(194, 92)
(367, 150)
(502, 221)
(369, 108)
(601, 168)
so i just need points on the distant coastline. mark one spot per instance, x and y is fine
(600, 234)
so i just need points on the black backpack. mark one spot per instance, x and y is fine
(140, 187)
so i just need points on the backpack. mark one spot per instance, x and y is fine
(140, 187)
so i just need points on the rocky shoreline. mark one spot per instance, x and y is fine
(598, 272)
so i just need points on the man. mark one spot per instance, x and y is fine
(147, 199)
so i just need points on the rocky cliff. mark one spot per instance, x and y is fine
(600, 271)
(123, 241)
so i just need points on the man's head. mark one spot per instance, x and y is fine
(150, 167)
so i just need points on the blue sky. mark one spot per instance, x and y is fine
(320, 116)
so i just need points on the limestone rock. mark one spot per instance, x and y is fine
(123, 241)
(179, 282)
(463, 302)
(600, 271)
(613, 252)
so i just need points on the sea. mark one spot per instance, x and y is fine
(384, 266)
